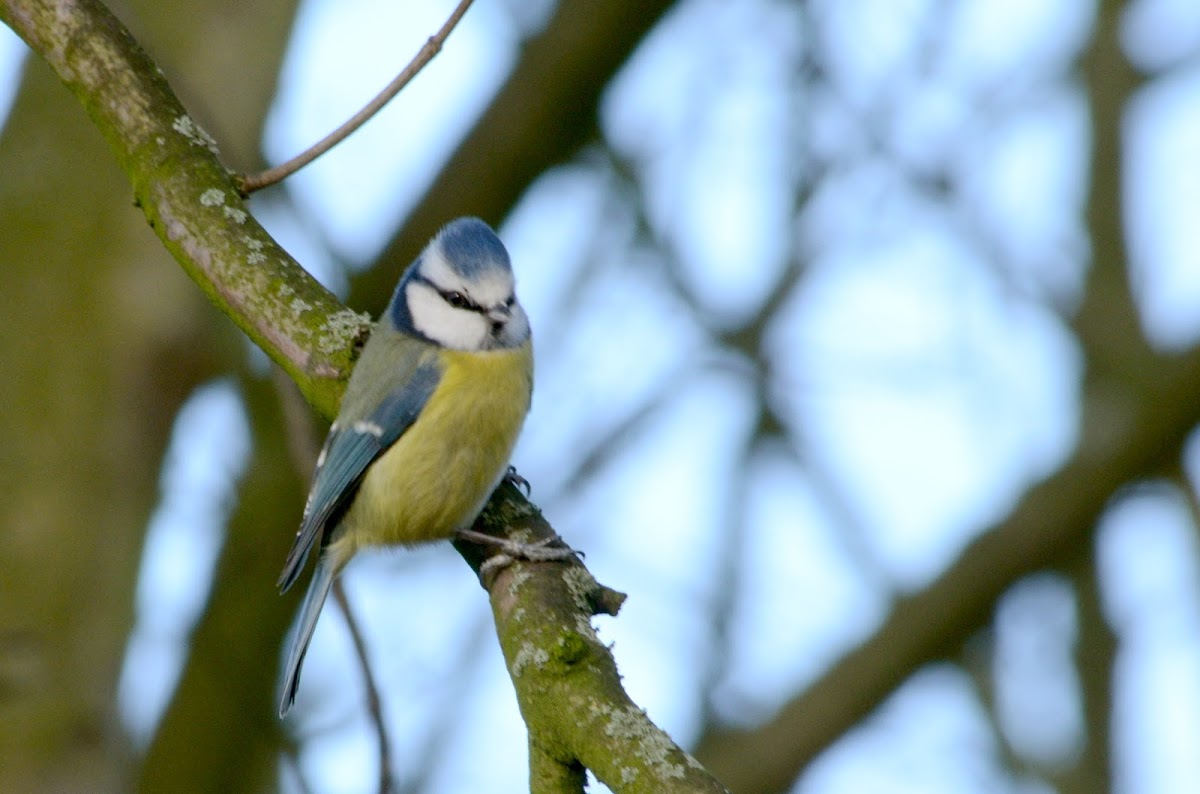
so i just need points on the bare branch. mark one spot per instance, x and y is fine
(428, 51)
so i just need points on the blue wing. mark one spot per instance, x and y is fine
(351, 447)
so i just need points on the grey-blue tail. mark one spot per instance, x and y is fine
(318, 589)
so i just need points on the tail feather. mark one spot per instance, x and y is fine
(318, 590)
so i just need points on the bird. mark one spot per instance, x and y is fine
(428, 420)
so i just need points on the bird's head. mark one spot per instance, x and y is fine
(460, 292)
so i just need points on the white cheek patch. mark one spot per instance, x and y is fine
(460, 329)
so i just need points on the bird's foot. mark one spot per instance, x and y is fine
(511, 551)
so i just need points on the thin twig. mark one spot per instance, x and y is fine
(373, 703)
(431, 48)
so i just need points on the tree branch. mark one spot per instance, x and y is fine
(566, 680)
(429, 50)
(188, 197)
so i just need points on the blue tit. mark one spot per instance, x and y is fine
(428, 421)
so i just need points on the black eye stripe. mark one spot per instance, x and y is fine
(459, 300)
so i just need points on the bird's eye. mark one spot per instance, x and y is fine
(510, 301)
(456, 299)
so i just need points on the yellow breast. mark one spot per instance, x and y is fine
(436, 478)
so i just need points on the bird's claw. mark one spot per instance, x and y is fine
(518, 481)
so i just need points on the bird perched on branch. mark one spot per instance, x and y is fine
(428, 421)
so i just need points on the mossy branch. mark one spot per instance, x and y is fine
(568, 688)
(570, 693)
(190, 199)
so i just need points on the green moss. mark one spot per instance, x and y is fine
(570, 649)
